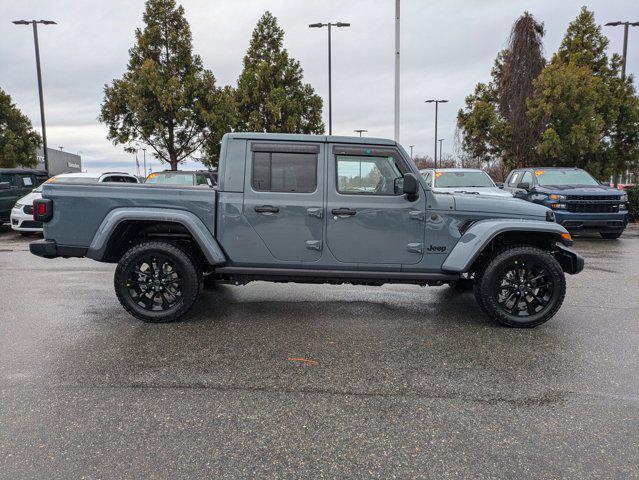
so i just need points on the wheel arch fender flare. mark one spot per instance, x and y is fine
(480, 234)
(205, 240)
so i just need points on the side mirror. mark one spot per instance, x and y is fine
(5, 186)
(500, 185)
(411, 186)
(524, 186)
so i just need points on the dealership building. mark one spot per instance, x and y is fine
(60, 162)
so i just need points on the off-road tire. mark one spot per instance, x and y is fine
(610, 235)
(185, 264)
(486, 286)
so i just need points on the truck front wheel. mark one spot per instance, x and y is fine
(157, 281)
(522, 286)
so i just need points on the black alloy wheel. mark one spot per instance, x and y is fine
(522, 286)
(154, 283)
(157, 281)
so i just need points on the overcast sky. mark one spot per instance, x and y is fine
(446, 48)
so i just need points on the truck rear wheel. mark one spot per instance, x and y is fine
(157, 281)
(521, 287)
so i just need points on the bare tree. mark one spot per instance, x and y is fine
(522, 65)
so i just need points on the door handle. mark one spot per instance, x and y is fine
(343, 212)
(266, 209)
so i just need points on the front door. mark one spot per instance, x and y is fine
(369, 220)
(284, 198)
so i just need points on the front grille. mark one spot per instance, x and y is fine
(592, 207)
(28, 209)
(31, 224)
(593, 199)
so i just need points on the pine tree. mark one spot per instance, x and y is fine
(165, 99)
(590, 114)
(270, 94)
(18, 141)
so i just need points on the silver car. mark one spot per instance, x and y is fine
(462, 180)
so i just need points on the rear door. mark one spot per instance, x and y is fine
(284, 198)
(369, 220)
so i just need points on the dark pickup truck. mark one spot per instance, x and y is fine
(15, 183)
(579, 201)
(313, 209)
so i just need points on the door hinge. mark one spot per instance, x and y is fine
(415, 247)
(315, 212)
(417, 215)
(314, 244)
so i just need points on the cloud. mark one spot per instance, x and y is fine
(446, 48)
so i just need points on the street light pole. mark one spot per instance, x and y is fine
(360, 131)
(34, 23)
(411, 151)
(144, 156)
(397, 38)
(436, 102)
(441, 140)
(625, 41)
(330, 93)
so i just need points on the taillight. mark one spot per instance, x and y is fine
(42, 210)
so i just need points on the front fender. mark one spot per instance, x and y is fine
(480, 234)
(207, 243)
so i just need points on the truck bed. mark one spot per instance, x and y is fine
(80, 209)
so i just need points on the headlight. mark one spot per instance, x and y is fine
(558, 197)
(18, 205)
(538, 197)
(624, 197)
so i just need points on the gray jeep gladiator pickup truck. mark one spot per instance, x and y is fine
(313, 209)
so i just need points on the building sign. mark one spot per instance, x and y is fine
(73, 165)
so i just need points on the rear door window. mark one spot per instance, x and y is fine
(10, 178)
(284, 172)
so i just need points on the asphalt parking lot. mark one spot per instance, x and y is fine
(279, 381)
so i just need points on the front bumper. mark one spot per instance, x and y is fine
(22, 222)
(571, 262)
(592, 221)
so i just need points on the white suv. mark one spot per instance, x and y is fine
(22, 212)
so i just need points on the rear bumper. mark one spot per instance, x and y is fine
(592, 221)
(50, 249)
(571, 262)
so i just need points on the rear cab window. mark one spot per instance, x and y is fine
(282, 171)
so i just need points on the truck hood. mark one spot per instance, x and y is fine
(497, 192)
(29, 198)
(505, 206)
(593, 190)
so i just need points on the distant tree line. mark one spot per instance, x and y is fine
(168, 101)
(19, 143)
(574, 110)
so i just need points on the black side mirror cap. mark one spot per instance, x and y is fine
(500, 185)
(411, 186)
(524, 186)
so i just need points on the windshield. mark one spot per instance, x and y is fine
(564, 177)
(462, 179)
(170, 178)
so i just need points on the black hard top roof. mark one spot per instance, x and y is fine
(23, 170)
